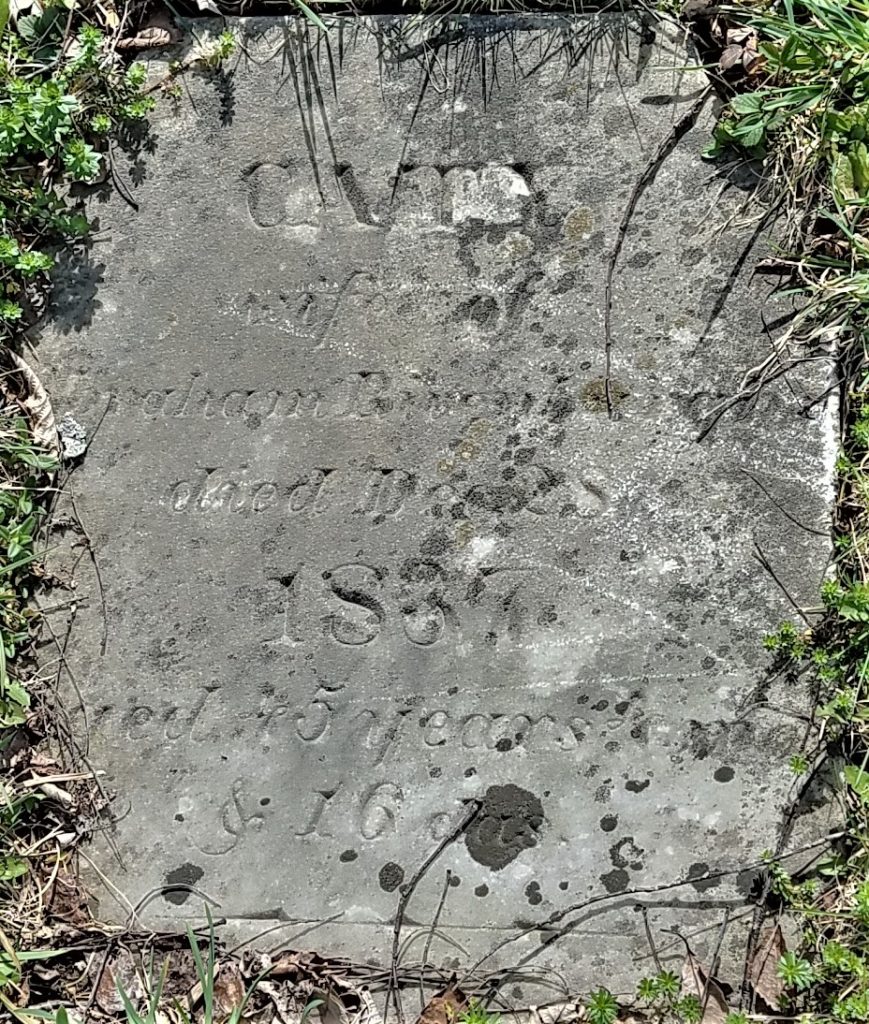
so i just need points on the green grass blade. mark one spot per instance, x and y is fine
(312, 16)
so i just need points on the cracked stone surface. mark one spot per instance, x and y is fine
(371, 547)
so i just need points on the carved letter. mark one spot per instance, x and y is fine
(379, 810)
(359, 616)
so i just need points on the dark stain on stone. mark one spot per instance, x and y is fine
(435, 773)
(697, 871)
(480, 308)
(436, 543)
(559, 407)
(347, 856)
(563, 886)
(547, 616)
(750, 882)
(504, 745)
(391, 876)
(455, 881)
(640, 259)
(186, 874)
(635, 786)
(724, 774)
(615, 880)
(625, 853)
(602, 793)
(700, 740)
(593, 394)
(508, 823)
(532, 891)
(481, 890)
(609, 822)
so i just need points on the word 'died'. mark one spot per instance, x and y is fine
(381, 493)
(377, 492)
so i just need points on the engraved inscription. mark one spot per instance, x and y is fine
(267, 188)
(357, 395)
(332, 717)
(358, 614)
(424, 196)
(277, 195)
(372, 812)
(381, 494)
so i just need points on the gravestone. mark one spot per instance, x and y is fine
(389, 530)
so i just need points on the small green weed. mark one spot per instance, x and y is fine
(63, 95)
(60, 99)
(601, 1007)
(22, 475)
(215, 53)
(662, 995)
(476, 1013)
(812, 109)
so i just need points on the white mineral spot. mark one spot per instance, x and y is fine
(684, 336)
(478, 551)
(492, 194)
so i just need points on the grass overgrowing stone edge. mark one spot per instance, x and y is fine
(795, 78)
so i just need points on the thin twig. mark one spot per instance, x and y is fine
(431, 933)
(783, 510)
(643, 890)
(104, 640)
(764, 561)
(651, 939)
(680, 128)
(716, 954)
(407, 892)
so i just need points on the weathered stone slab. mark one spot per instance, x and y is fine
(371, 546)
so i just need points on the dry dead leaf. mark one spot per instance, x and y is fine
(444, 1006)
(752, 61)
(228, 989)
(696, 982)
(730, 56)
(763, 972)
(742, 36)
(56, 793)
(121, 971)
(157, 31)
(40, 759)
(38, 406)
(110, 15)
